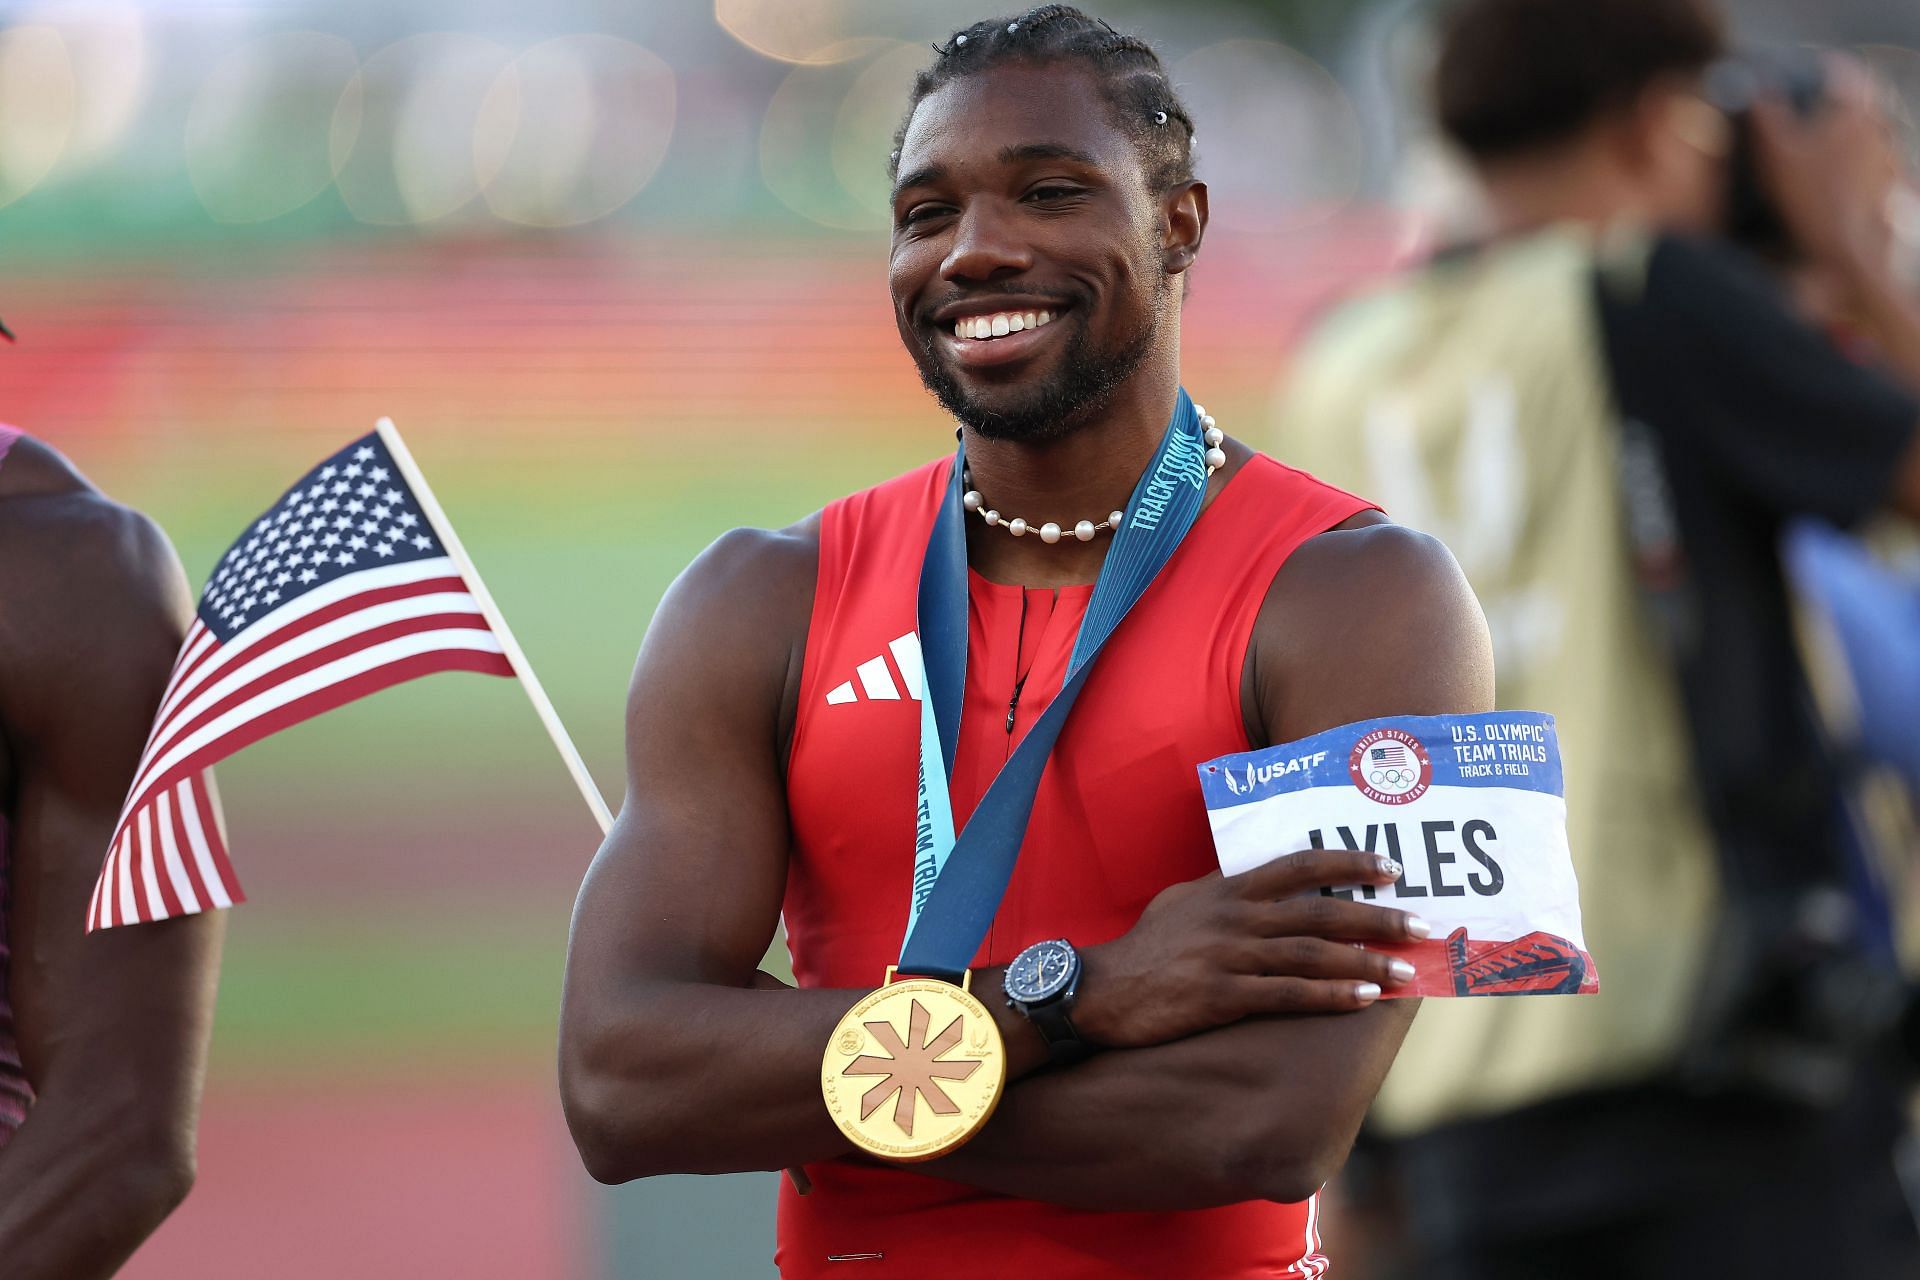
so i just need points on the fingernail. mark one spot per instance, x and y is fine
(1401, 970)
(1388, 867)
(1366, 992)
(1416, 927)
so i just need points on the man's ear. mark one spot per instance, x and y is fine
(1184, 224)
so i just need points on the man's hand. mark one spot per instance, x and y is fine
(1212, 951)
(1830, 174)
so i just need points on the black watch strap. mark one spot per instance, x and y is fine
(1064, 1045)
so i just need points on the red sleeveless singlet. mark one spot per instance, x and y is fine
(1118, 817)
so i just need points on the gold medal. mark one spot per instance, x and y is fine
(914, 1069)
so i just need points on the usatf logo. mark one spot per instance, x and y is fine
(1390, 767)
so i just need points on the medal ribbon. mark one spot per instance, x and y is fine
(958, 881)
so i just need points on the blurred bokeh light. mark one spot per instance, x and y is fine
(572, 129)
(271, 123)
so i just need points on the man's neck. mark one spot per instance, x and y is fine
(1083, 476)
(1577, 184)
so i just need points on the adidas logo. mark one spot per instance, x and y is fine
(875, 679)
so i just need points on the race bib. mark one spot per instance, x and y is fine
(1474, 810)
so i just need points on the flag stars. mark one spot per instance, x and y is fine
(340, 487)
(393, 497)
(357, 542)
(408, 520)
(356, 506)
(363, 454)
(281, 579)
(331, 540)
(352, 469)
(422, 541)
(308, 575)
(383, 549)
(345, 557)
(370, 527)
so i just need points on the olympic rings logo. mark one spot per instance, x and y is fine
(1396, 778)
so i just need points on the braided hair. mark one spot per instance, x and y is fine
(1140, 98)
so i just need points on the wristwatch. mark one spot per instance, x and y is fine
(1040, 985)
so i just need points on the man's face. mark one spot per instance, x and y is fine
(1017, 197)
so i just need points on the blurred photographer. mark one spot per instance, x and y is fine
(1610, 410)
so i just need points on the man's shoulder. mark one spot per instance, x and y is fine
(91, 587)
(1367, 577)
(746, 559)
(71, 549)
(1369, 618)
(77, 562)
(1368, 562)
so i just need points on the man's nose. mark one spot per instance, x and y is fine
(986, 245)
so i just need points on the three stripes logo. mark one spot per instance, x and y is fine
(875, 679)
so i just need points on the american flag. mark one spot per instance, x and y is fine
(340, 590)
(1392, 755)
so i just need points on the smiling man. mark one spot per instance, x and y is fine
(1186, 1057)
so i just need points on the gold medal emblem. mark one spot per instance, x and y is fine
(914, 1069)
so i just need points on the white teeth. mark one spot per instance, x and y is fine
(1000, 325)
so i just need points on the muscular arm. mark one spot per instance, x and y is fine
(112, 1027)
(1267, 1107)
(672, 1059)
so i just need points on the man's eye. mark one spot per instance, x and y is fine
(1049, 195)
(923, 213)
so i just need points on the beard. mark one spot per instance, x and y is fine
(1055, 406)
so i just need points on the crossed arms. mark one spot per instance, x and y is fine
(1240, 1051)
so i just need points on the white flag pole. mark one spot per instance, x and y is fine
(542, 705)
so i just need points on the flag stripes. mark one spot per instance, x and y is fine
(329, 630)
(177, 850)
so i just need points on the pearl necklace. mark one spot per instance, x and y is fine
(1084, 530)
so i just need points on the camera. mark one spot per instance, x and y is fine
(1736, 85)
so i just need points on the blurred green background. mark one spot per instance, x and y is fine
(617, 271)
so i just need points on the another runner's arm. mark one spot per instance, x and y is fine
(113, 1026)
(1266, 1108)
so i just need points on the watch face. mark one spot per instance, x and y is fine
(1041, 972)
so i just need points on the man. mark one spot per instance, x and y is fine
(1611, 426)
(103, 1038)
(1045, 214)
